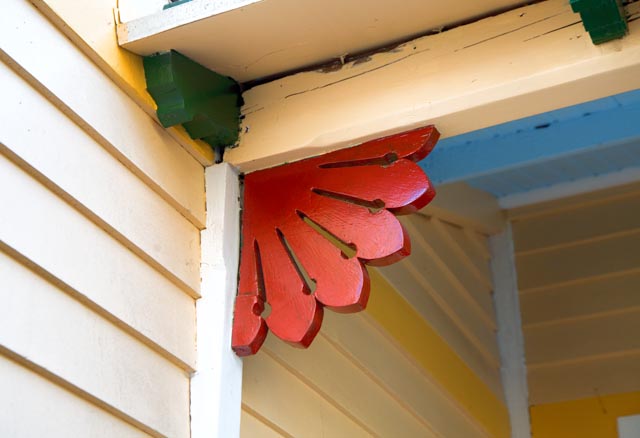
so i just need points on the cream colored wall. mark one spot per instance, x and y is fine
(100, 221)
(421, 361)
(578, 265)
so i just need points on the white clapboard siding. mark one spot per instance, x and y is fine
(96, 181)
(51, 329)
(58, 69)
(353, 367)
(31, 407)
(578, 262)
(290, 404)
(72, 250)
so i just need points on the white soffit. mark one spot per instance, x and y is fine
(249, 39)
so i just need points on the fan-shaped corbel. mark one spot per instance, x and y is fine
(310, 227)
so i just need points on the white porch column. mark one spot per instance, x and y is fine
(510, 339)
(216, 387)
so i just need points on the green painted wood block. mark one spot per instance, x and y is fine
(605, 20)
(206, 103)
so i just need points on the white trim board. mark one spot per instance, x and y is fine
(216, 386)
(510, 337)
(521, 63)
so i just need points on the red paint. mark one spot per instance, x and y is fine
(379, 173)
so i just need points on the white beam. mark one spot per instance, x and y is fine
(510, 339)
(216, 387)
(524, 62)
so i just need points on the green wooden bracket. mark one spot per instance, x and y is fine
(605, 20)
(205, 103)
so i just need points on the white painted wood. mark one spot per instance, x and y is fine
(468, 78)
(33, 407)
(47, 59)
(216, 387)
(461, 204)
(571, 188)
(629, 426)
(131, 9)
(68, 161)
(234, 37)
(66, 248)
(49, 329)
(510, 338)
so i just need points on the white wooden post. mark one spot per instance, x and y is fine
(216, 387)
(510, 338)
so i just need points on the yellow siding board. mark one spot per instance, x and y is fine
(60, 335)
(96, 184)
(469, 248)
(253, 427)
(587, 418)
(583, 222)
(582, 299)
(27, 409)
(410, 331)
(449, 262)
(291, 405)
(337, 379)
(61, 244)
(389, 365)
(585, 378)
(583, 260)
(582, 338)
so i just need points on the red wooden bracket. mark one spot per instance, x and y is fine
(299, 218)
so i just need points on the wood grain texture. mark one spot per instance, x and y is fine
(60, 414)
(293, 213)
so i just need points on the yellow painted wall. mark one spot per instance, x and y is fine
(578, 263)
(586, 418)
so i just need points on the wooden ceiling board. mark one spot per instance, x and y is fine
(248, 39)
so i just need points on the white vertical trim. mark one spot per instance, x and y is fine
(629, 427)
(510, 338)
(216, 387)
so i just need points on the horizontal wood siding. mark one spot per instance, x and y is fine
(99, 249)
(447, 280)
(579, 276)
(352, 381)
